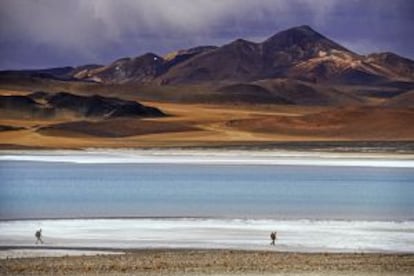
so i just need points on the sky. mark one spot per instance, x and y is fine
(53, 33)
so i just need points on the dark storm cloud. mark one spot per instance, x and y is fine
(42, 33)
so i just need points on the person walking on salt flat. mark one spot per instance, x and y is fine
(38, 236)
(273, 237)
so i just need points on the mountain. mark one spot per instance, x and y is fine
(284, 92)
(248, 93)
(397, 65)
(296, 66)
(141, 69)
(239, 60)
(297, 85)
(46, 105)
(308, 94)
(59, 73)
(300, 53)
(23, 107)
(404, 100)
(98, 106)
(173, 58)
(283, 51)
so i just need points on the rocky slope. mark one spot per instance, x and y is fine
(299, 53)
(296, 66)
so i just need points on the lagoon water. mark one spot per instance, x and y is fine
(70, 190)
(208, 205)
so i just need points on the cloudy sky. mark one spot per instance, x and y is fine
(50, 33)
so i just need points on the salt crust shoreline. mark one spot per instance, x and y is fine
(212, 157)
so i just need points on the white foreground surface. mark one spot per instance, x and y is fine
(293, 235)
(35, 253)
(216, 157)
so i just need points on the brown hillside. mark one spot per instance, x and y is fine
(366, 123)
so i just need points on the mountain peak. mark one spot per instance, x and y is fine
(242, 41)
(304, 28)
(303, 37)
(241, 44)
(297, 34)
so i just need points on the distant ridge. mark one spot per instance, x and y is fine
(299, 53)
(298, 66)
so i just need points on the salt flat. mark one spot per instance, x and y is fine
(245, 234)
(220, 157)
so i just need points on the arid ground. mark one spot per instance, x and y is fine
(214, 262)
(209, 125)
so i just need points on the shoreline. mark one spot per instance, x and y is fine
(215, 262)
(229, 217)
(97, 250)
(327, 146)
(213, 157)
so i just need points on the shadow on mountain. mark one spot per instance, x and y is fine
(113, 128)
(47, 105)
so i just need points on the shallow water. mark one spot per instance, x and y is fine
(72, 190)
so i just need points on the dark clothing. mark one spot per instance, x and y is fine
(273, 237)
(38, 236)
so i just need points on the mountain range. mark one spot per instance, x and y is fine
(295, 85)
(298, 53)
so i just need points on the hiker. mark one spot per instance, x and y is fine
(38, 236)
(273, 237)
